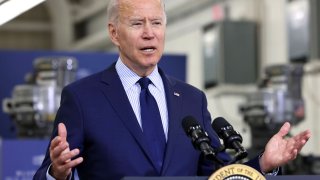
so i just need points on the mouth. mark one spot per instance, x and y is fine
(148, 49)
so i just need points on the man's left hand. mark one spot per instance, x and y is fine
(280, 150)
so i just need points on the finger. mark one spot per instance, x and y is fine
(55, 142)
(293, 154)
(304, 134)
(62, 131)
(66, 157)
(284, 130)
(64, 163)
(66, 169)
(73, 163)
(58, 150)
(300, 144)
(303, 137)
(290, 150)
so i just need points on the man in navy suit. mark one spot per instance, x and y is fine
(98, 128)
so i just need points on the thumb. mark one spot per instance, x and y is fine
(62, 131)
(284, 130)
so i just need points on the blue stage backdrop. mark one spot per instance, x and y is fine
(14, 65)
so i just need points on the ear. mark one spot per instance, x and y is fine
(113, 33)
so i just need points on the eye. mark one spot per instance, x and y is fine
(136, 23)
(157, 23)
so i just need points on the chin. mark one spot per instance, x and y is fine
(151, 61)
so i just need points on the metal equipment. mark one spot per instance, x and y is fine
(279, 99)
(33, 105)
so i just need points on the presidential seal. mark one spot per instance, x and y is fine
(237, 172)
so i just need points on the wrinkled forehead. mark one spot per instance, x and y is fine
(129, 8)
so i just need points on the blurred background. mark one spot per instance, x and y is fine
(258, 62)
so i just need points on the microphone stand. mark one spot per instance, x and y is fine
(211, 154)
(239, 156)
(241, 153)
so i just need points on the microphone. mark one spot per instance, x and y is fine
(231, 138)
(200, 138)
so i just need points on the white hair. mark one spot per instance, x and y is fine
(113, 11)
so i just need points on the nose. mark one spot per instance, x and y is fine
(148, 32)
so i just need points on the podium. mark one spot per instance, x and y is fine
(233, 171)
(284, 177)
(168, 178)
(294, 177)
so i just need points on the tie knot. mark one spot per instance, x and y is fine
(144, 82)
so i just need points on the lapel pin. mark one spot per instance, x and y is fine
(176, 94)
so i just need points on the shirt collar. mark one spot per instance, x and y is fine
(130, 78)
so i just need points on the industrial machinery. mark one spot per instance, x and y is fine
(33, 105)
(278, 99)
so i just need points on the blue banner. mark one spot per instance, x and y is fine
(21, 158)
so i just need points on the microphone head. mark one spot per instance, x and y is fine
(231, 138)
(219, 123)
(188, 123)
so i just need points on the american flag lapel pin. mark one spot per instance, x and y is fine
(176, 94)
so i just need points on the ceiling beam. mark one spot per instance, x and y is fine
(82, 12)
(23, 26)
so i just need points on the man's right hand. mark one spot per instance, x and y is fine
(61, 155)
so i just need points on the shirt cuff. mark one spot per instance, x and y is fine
(49, 177)
(274, 171)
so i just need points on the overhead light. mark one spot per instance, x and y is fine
(10, 9)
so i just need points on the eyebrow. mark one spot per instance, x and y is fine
(142, 18)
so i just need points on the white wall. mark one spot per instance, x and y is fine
(185, 37)
(183, 44)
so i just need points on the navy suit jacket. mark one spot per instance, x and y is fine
(101, 123)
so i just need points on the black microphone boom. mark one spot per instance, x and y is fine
(231, 138)
(200, 138)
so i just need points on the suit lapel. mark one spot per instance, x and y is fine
(173, 96)
(115, 93)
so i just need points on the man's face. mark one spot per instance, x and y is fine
(140, 34)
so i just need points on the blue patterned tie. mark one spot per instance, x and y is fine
(151, 123)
